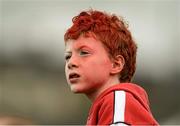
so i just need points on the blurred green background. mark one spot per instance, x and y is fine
(32, 80)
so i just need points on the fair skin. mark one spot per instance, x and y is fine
(88, 67)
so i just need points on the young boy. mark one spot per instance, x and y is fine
(100, 62)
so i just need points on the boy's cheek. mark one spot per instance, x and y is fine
(66, 69)
(66, 74)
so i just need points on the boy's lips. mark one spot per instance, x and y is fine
(73, 77)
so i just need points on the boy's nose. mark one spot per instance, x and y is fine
(72, 65)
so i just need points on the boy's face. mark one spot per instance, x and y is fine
(87, 65)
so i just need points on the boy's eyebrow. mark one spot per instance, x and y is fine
(84, 46)
(68, 51)
(78, 48)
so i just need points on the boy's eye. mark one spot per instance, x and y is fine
(84, 53)
(67, 57)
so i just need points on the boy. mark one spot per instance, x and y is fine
(100, 62)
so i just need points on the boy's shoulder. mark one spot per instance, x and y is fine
(123, 92)
(122, 88)
(123, 103)
(119, 95)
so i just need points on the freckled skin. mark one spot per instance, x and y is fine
(87, 57)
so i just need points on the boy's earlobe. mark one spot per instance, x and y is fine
(118, 64)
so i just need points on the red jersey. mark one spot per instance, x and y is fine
(125, 104)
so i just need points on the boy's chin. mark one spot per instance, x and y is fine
(76, 90)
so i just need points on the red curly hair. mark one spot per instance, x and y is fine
(112, 32)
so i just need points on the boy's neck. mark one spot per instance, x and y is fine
(95, 93)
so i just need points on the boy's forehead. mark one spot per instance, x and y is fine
(79, 43)
(74, 44)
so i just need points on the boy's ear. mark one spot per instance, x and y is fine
(117, 64)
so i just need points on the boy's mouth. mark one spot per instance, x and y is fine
(73, 77)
